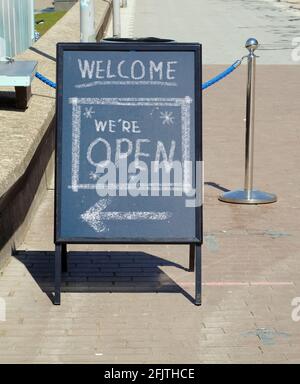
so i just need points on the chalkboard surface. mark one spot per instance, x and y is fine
(123, 109)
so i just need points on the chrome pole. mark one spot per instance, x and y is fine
(116, 19)
(251, 45)
(87, 21)
(248, 195)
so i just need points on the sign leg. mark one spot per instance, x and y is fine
(64, 258)
(57, 283)
(192, 258)
(198, 275)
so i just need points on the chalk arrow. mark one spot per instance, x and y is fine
(95, 216)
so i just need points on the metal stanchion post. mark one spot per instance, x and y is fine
(248, 195)
(116, 19)
(87, 21)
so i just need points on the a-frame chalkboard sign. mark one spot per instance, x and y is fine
(128, 147)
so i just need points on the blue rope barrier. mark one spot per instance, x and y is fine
(221, 75)
(45, 80)
(205, 85)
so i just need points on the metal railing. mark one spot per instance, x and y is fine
(248, 195)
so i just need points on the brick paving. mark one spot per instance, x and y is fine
(133, 303)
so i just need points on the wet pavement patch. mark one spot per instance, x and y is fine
(211, 242)
(276, 234)
(266, 336)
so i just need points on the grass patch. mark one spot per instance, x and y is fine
(49, 20)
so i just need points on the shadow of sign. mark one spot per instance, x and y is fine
(103, 272)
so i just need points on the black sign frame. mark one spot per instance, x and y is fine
(61, 242)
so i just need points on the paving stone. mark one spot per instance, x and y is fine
(246, 312)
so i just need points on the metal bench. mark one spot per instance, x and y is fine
(18, 74)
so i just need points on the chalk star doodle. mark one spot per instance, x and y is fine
(93, 176)
(88, 113)
(167, 118)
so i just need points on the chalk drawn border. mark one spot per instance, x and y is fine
(183, 103)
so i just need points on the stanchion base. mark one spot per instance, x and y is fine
(242, 196)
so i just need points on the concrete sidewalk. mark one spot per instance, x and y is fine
(40, 5)
(223, 26)
(132, 303)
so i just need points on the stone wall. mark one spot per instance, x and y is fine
(27, 137)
